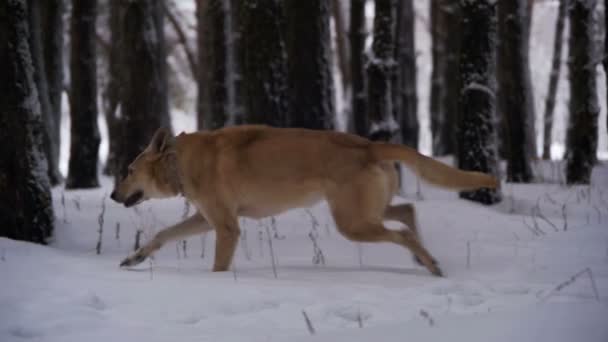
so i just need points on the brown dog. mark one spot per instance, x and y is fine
(259, 171)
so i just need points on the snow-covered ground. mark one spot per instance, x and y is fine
(500, 284)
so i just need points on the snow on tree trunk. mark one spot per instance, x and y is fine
(263, 62)
(556, 66)
(111, 94)
(143, 98)
(216, 55)
(26, 211)
(581, 140)
(341, 44)
(84, 133)
(515, 102)
(476, 126)
(310, 84)
(357, 34)
(405, 101)
(37, 45)
(380, 69)
(451, 91)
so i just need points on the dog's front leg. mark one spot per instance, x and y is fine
(195, 224)
(227, 236)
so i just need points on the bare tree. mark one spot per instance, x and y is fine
(438, 37)
(26, 211)
(263, 62)
(556, 65)
(515, 102)
(357, 34)
(476, 131)
(341, 45)
(581, 140)
(309, 77)
(380, 69)
(84, 133)
(143, 95)
(405, 100)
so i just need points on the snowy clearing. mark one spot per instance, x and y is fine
(503, 265)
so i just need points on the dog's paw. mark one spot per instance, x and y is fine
(133, 260)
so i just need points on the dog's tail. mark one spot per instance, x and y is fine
(432, 171)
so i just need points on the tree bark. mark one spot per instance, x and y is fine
(556, 65)
(52, 41)
(476, 131)
(51, 146)
(380, 70)
(405, 102)
(515, 103)
(450, 96)
(143, 97)
(357, 34)
(341, 45)
(216, 55)
(203, 102)
(438, 40)
(606, 50)
(26, 211)
(309, 77)
(581, 140)
(85, 138)
(263, 62)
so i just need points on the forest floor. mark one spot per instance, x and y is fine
(508, 267)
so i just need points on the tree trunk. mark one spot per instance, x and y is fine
(26, 211)
(263, 62)
(357, 34)
(50, 146)
(515, 102)
(556, 65)
(406, 102)
(341, 45)
(450, 96)
(380, 71)
(606, 49)
(203, 102)
(111, 94)
(438, 37)
(310, 84)
(476, 132)
(85, 138)
(143, 97)
(581, 140)
(52, 41)
(216, 55)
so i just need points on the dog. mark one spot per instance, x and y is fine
(258, 171)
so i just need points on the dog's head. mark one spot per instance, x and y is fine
(150, 174)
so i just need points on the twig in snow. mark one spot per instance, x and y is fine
(418, 190)
(599, 213)
(117, 231)
(2, 255)
(523, 218)
(274, 266)
(151, 268)
(311, 329)
(184, 249)
(76, 202)
(468, 255)
(360, 254)
(234, 270)
(317, 257)
(427, 317)
(261, 243)
(571, 280)
(203, 243)
(273, 224)
(313, 221)
(244, 244)
(65, 215)
(542, 217)
(137, 239)
(100, 221)
(565, 216)
(186, 210)
(359, 318)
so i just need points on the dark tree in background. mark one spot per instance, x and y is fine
(203, 102)
(216, 55)
(357, 34)
(380, 69)
(52, 42)
(405, 101)
(446, 141)
(556, 66)
(606, 49)
(263, 62)
(36, 43)
(515, 102)
(476, 131)
(438, 40)
(26, 211)
(111, 93)
(581, 140)
(309, 77)
(143, 97)
(84, 133)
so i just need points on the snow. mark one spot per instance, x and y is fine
(501, 274)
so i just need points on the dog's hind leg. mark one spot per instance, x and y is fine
(195, 224)
(406, 214)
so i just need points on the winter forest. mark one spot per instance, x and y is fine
(514, 89)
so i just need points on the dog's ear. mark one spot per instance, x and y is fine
(162, 140)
